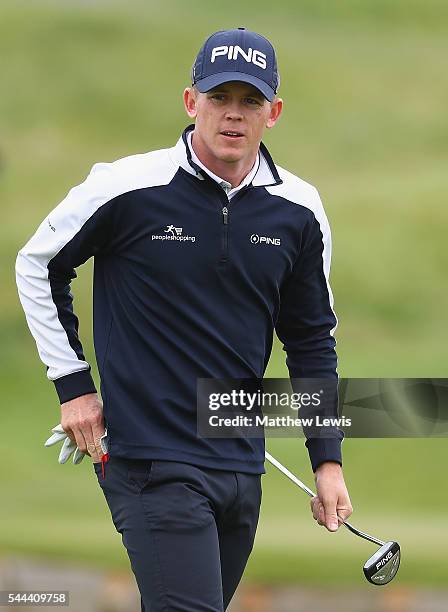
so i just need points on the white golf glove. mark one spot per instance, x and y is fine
(69, 447)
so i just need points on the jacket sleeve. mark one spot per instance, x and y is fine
(75, 230)
(306, 324)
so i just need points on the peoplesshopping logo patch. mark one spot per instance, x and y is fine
(173, 233)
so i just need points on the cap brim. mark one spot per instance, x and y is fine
(214, 80)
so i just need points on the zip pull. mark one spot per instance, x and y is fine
(225, 215)
(105, 455)
(104, 458)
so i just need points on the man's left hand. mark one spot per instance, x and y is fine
(69, 447)
(332, 499)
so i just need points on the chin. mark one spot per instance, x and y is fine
(229, 156)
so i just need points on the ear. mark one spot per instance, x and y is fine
(190, 102)
(276, 111)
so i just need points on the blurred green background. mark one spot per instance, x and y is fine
(365, 91)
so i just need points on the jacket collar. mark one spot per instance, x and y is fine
(266, 175)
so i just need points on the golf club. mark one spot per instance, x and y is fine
(381, 567)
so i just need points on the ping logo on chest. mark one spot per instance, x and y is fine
(257, 239)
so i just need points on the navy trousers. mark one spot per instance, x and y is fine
(188, 530)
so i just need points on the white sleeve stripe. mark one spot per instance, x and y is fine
(41, 312)
(104, 183)
(298, 191)
(326, 259)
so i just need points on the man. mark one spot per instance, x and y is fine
(185, 289)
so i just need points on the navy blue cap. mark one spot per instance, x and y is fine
(236, 55)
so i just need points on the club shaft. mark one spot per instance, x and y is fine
(311, 493)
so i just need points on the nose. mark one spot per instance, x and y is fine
(234, 111)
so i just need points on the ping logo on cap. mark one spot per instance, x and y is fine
(253, 55)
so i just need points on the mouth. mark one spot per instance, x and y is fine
(232, 135)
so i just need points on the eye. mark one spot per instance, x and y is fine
(217, 96)
(253, 101)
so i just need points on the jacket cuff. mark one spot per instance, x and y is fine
(324, 449)
(74, 385)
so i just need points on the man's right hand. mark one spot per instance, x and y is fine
(82, 420)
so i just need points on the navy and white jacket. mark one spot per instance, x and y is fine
(186, 286)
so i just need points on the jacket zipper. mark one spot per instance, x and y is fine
(225, 233)
(225, 210)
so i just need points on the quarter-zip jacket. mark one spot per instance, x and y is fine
(187, 285)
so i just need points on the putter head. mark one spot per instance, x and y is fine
(382, 567)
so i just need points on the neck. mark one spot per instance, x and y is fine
(232, 172)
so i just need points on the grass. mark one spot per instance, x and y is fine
(364, 120)
(59, 511)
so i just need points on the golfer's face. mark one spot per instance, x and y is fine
(231, 119)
